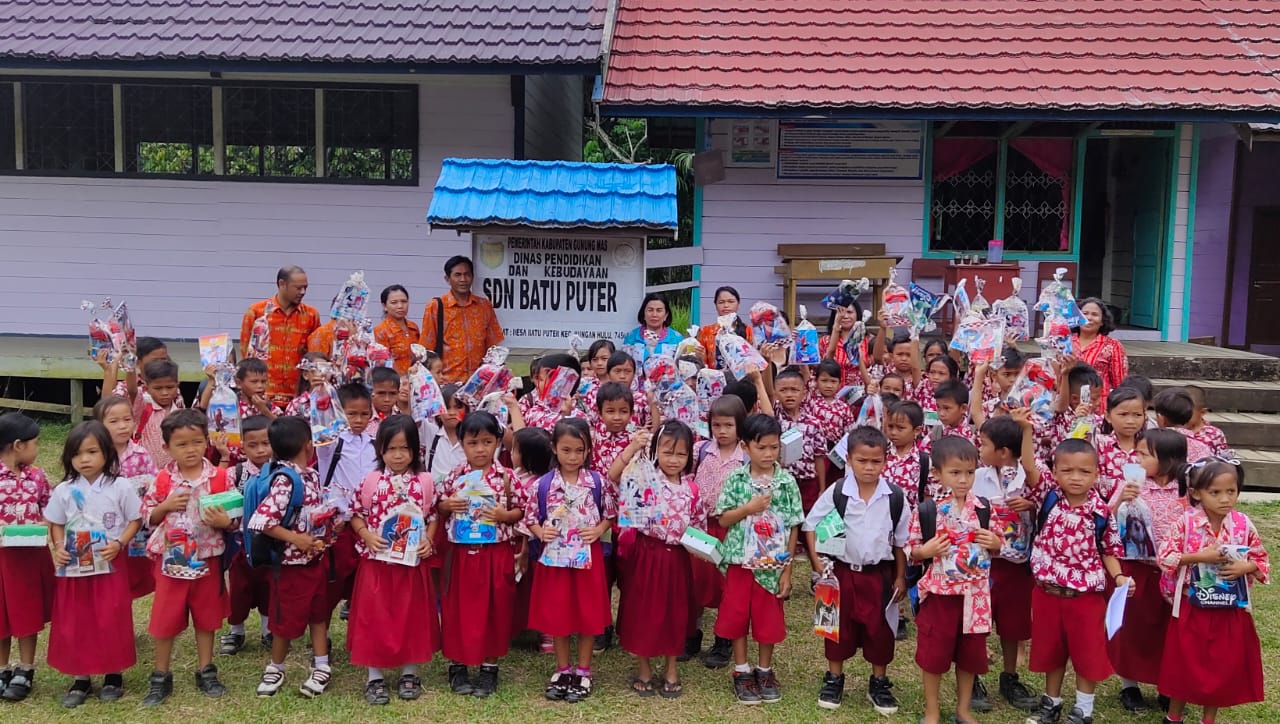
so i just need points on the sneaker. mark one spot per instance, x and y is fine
(460, 680)
(604, 641)
(692, 647)
(546, 644)
(376, 693)
(6, 675)
(409, 687)
(207, 682)
(272, 680)
(832, 692)
(112, 688)
(1077, 717)
(579, 689)
(486, 683)
(768, 683)
(1047, 713)
(1017, 694)
(1132, 700)
(746, 688)
(230, 644)
(344, 613)
(17, 684)
(316, 683)
(719, 655)
(979, 702)
(880, 694)
(558, 686)
(77, 694)
(266, 640)
(159, 687)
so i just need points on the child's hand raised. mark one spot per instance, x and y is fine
(758, 504)
(1129, 492)
(211, 371)
(1022, 416)
(219, 441)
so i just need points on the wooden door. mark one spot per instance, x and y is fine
(1264, 278)
(1150, 215)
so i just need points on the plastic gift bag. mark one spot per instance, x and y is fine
(826, 607)
(566, 550)
(680, 403)
(924, 305)
(846, 294)
(896, 303)
(1057, 340)
(403, 529)
(1017, 324)
(1034, 389)
(111, 331)
(960, 300)
(739, 356)
(214, 351)
(709, 384)
(1057, 302)
(981, 339)
(661, 374)
(85, 539)
(260, 334)
(562, 384)
(425, 398)
(1209, 589)
(224, 408)
(690, 346)
(350, 301)
(806, 341)
(470, 527)
(326, 416)
(491, 376)
(766, 542)
(767, 324)
(638, 505)
(871, 413)
(1134, 519)
(979, 305)
(1082, 429)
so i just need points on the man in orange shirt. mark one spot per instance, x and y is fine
(289, 324)
(458, 325)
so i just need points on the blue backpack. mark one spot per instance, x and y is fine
(543, 489)
(260, 549)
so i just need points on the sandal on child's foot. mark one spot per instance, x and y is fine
(77, 694)
(671, 689)
(375, 693)
(409, 687)
(642, 687)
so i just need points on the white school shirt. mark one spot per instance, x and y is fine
(987, 483)
(870, 535)
(113, 501)
(448, 456)
(358, 460)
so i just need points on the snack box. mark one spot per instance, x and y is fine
(701, 544)
(230, 501)
(24, 536)
(792, 446)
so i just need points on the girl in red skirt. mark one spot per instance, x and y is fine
(26, 573)
(656, 604)
(570, 509)
(482, 506)
(1211, 555)
(531, 459)
(137, 465)
(1145, 511)
(387, 628)
(92, 620)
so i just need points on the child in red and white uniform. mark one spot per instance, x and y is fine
(595, 368)
(1175, 410)
(247, 587)
(1118, 444)
(187, 544)
(833, 414)
(150, 407)
(300, 406)
(655, 609)
(477, 615)
(148, 349)
(1136, 649)
(1198, 537)
(621, 368)
(951, 400)
(388, 628)
(533, 411)
(384, 388)
(299, 590)
(91, 629)
(1201, 429)
(135, 464)
(1071, 561)
(992, 386)
(611, 432)
(789, 389)
(1072, 409)
(713, 461)
(904, 427)
(569, 600)
(531, 458)
(955, 605)
(939, 370)
(26, 574)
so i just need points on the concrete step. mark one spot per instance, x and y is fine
(1168, 360)
(1231, 395)
(1249, 430)
(1261, 469)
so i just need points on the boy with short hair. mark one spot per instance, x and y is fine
(1076, 549)
(1071, 408)
(150, 407)
(955, 597)
(952, 403)
(611, 432)
(832, 414)
(906, 460)
(870, 566)
(993, 386)
(789, 390)
(384, 385)
(187, 544)
(532, 411)
(752, 601)
(1200, 428)
(247, 587)
(299, 593)
(1175, 410)
(148, 349)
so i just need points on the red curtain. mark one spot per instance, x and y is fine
(954, 156)
(1054, 157)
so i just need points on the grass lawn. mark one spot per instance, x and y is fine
(708, 694)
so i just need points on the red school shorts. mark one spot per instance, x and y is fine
(747, 607)
(299, 598)
(1011, 585)
(864, 595)
(204, 600)
(1069, 629)
(941, 640)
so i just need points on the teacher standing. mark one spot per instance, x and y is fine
(458, 325)
(654, 335)
(1095, 346)
(727, 301)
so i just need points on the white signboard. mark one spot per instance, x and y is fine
(850, 149)
(546, 289)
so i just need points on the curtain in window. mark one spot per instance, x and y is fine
(954, 156)
(1054, 157)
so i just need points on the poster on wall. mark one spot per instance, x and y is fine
(850, 149)
(751, 142)
(545, 289)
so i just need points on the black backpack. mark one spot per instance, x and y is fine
(928, 511)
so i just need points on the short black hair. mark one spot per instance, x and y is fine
(1142, 384)
(1081, 375)
(897, 339)
(830, 368)
(454, 261)
(352, 392)
(386, 293)
(1197, 395)
(147, 345)
(77, 436)
(678, 431)
(758, 427)
(620, 359)
(285, 273)
(654, 297)
(953, 369)
(867, 436)
(1169, 447)
(953, 448)
(908, 409)
(1122, 394)
(289, 436)
(477, 422)
(953, 390)
(387, 431)
(894, 376)
(614, 392)
(562, 359)
(1012, 358)
(1108, 319)
(106, 403)
(16, 427)
(254, 423)
(449, 395)
(577, 428)
(250, 366)
(534, 445)
(746, 391)
(887, 399)
(160, 369)
(1175, 405)
(789, 373)
(184, 419)
(383, 375)
(1004, 433)
(729, 406)
(598, 345)
(1074, 446)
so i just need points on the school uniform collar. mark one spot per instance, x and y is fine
(1200, 520)
(713, 450)
(850, 488)
(98, 484)
(207, 470)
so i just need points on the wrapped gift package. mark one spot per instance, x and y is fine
(230, 501)
(701, 544)
(24, 536)
(792, 446)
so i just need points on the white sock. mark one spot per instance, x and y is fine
(322, 662)
(237, 628)
(1084, 702)
(264, 623)
(409, 670)
(374, 674)
(1128, 683)
(763, 669)
(273, 666)
(1055, 699)
(742, 669)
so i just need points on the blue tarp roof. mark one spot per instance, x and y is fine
(477, 192)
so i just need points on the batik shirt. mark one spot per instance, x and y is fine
(23, 495)
(710, 470)
(784, 501)
(581, 501)
(681, 510)
(537, 414)
(904, 472)
(1166, 508)
(833, 417)
(498, 479)
(1191, 533)
(397, 340)
(1111, 461)
(804, 468)
(389, 494)
(640, 413)
(288, 335)
(210, 541)
(606, 447)
(969, 577)
(271, 513)
(1212, 438)
(1065, 551)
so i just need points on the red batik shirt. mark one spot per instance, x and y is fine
(1212, 438)
(271, 512)
(24, 493)
(389, 494)
(536, 413)
(397, 339)
(606, 447)
(1065, 551)
(1111, 461)
(805, 468)
(904, 472)
(288, 335)
(210, 541)
(833, 417)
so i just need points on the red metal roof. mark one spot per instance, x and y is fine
(939, 54)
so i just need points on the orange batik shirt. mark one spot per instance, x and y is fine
(321, 340)
(469, 330)
(288, 342)
(397, 339)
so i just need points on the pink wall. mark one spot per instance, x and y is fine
(1214, 184)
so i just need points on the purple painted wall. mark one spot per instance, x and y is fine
(1212, 230)
(1257, 188)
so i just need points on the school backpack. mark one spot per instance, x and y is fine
(261, 550)
(928, 512)
(218, 483)
(922, 486)
(897, 500)
(1051, 501)
(544, 489)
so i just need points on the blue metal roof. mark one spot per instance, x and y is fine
(478, 192)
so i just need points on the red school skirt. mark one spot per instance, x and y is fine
(343, 560)
(1138, 647)
(393, 617)
(26, 591)
(655, 606)
(478, 603)
(708, 581)
(142, 575)
(1212, 657)
(568, 601)
(92, 628)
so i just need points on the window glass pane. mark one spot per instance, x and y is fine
(962, 216)
(69, 127)
(7, 154)
(1035, 208)
(168, 129)
(270, 131)
(371, 134)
